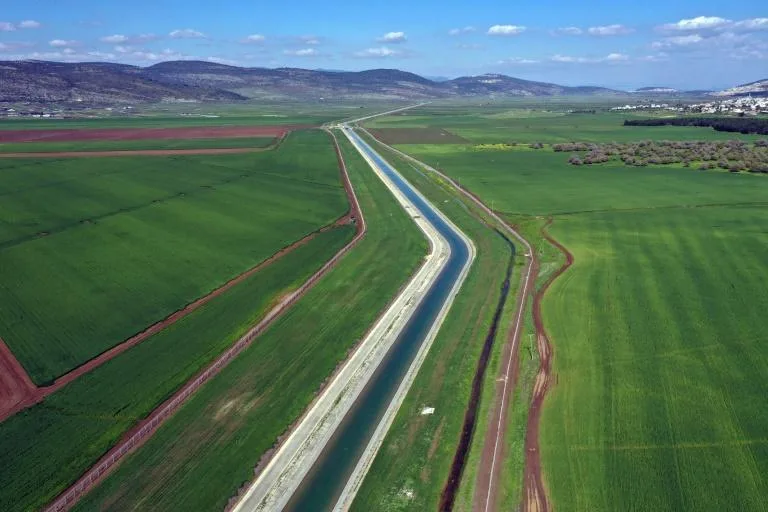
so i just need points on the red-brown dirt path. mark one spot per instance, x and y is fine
(135, 152)
(489, 472)
(534, 491)
(16, 388)
(138, 435)
(116, 134)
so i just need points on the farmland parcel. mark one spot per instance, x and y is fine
(75, 425)
(658, 328)
(135, 239)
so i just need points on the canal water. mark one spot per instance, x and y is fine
(326, 480)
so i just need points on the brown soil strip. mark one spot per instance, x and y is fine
(535, 495)
(116, 134)
(137, 152)
(489, 472)
(138, 435)
(448, 496)
(15, 385)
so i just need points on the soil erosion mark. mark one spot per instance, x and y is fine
(535, 495)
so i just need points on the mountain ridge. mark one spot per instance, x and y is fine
(200, 81)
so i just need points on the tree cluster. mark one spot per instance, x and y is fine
(732, 155)
(744, 125)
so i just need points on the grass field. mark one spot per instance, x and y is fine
(658, 328)
(47, 447)
(136, 238)
(202, 455)
(413, 463)
(132, 145)
(500, 123)
(660, 352)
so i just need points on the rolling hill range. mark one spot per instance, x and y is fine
(109, 83)
(101, 83)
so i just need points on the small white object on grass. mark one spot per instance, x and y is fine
(427, 410)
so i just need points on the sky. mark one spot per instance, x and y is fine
(685, 44)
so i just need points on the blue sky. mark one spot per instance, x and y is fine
(677, 43)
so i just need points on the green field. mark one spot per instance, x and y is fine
(47, 447)
(133, 145)
(136, 238)
(200, 457)
(501, 123)
(658, 328)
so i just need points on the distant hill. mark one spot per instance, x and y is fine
(105, 84)
(94, 83)
(759, 88)
(502, 85)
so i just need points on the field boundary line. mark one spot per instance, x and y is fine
(140, 433)
(488, 480)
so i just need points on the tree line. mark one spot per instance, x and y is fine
(745, 125)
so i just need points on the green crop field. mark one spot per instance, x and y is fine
(500, 123)
(658, 328)
(133, 145)
(200, 457)
(134, 239)
(47, 447)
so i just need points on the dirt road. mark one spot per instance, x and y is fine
(534, 491)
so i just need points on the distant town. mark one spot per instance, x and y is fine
(736, 106)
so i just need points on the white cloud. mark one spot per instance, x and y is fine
(615, 57)
(505, 30)
(463, 30)
(114, 39)
(610, 58)
(7, 27)
(609, 30)
(755, 24)
(688, 40)
(517, 61)
(377, 53)
(310, 40)
(186, 33)
(61, 43)
(303, 52)
(253, 39)
(30, 24)
(568, 31)
(393, 37)
(469, 46)
(697, 23)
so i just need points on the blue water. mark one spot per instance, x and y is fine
(326, 480)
